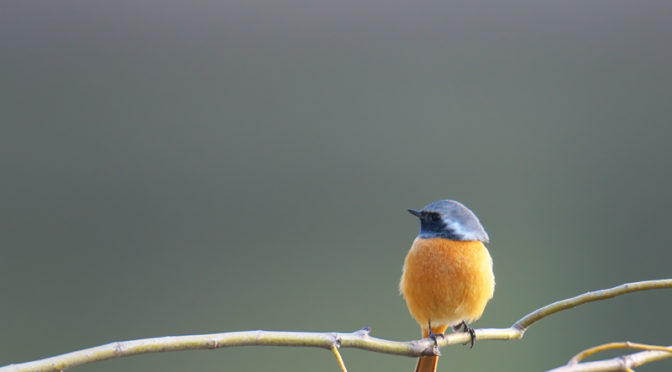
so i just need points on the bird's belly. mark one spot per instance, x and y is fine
(446, 282)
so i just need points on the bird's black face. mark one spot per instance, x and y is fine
(431, 223)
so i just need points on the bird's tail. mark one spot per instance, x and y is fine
(428, 363)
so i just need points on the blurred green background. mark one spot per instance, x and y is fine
(193, 167)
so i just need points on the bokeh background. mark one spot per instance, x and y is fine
(179, 167)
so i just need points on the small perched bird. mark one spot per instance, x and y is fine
(447, 278)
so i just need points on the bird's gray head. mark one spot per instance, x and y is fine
(449, 219)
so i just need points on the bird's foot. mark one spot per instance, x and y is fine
(436, 337)
(466, 328)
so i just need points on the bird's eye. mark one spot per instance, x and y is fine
(435, 217)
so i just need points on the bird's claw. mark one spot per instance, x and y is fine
(471, 331)
(436, 337)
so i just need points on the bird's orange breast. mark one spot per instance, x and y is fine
(446, 282)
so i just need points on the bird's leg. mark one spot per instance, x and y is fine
(466, 328)
(434, 336)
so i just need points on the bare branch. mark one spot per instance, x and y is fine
(359, 339)
(339, 359)
(621, 363)
(569, 303)
(616, 345)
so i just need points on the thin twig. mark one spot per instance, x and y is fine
(615, 345)
(359, 339)
(621, 363)
(339, 359)
(569, 303)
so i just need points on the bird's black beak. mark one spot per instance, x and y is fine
(415, 212)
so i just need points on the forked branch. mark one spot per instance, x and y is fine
(652, 353)
(330, 341)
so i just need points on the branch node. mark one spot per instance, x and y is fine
(118, 348)
(336, 340)
(519, 328)
(426, 347)
(436, 350)
(364, 331)
(624, 361)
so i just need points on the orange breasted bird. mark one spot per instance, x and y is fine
(447, 278)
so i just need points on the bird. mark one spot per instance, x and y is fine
(447, 277)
